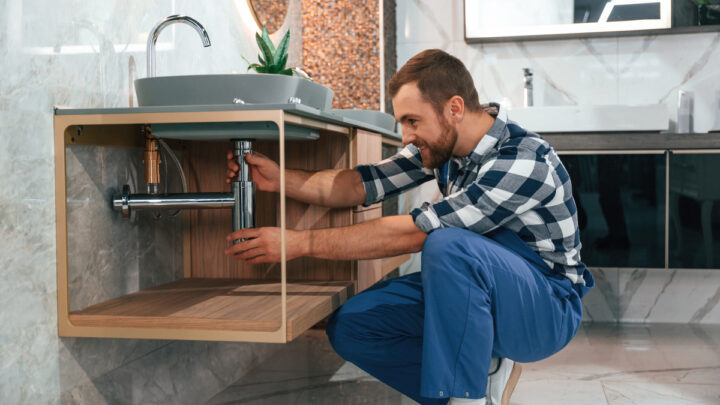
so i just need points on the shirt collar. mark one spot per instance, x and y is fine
(497, 132)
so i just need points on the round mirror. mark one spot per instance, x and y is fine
(269, 13)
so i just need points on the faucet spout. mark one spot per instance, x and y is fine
(155, 33)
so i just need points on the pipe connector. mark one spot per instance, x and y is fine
(151, 158)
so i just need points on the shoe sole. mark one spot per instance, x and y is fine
(511, 383)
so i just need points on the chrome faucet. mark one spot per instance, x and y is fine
(527, 87)
(155, 32)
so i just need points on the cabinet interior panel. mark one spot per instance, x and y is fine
(208, 228)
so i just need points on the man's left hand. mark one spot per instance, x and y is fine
(262, 245)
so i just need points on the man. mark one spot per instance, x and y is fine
(501, 275)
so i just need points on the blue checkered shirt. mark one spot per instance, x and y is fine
(512, 179)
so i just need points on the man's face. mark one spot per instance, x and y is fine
(423, 127)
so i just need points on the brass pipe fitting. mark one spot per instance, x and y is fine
(151, 158)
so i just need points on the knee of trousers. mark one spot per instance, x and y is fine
(441, 248)
(441, 242)
(339, 330)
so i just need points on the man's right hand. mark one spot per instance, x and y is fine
(263, 171)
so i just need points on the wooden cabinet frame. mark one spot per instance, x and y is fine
(300, 303)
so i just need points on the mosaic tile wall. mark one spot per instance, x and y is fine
(341, 49)
(270, 13)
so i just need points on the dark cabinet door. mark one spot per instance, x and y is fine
(621, 208)
(694, 215)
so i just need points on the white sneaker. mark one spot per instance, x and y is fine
(466, 401)
(502, 382)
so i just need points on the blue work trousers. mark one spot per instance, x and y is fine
(431, 335)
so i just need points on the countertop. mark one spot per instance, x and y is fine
(296, 109)
(632, 141)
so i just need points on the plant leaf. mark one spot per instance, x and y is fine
(287, 72)
(280, 64)
(266, 38)
(265, 50)
(262, 61)
(283, 46)
(262, 69)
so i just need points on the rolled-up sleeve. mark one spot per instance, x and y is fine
(514, 182)
(393, 175)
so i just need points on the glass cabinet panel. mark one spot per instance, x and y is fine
(621, 208)
(694, 213)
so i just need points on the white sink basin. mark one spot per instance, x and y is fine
(598, 118)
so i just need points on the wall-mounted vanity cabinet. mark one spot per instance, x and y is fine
(163, 274)
(645, 200)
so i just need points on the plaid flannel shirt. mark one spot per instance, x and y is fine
(513, 179)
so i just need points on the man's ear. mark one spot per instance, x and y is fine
(455, 108)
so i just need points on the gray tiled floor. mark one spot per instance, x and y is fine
(605, 364)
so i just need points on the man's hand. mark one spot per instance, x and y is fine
(263, 171)
(382, 237)
(262, 245)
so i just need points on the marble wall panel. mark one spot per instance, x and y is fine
(427, 22)
(87, 54)
(652, 69)
(654, 296)
(109, 255)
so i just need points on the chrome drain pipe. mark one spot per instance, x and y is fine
(241, 200)
(243, 189)
(176, 201)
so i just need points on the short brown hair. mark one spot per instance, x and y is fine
(439, 76)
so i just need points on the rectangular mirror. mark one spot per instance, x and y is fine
(489, 21)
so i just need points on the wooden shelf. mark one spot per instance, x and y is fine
(220, 304)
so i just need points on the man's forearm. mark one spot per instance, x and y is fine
(383, 237)
(328, 188)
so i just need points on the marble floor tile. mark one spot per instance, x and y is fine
(554, 392)
(631, 393)
(605, 364)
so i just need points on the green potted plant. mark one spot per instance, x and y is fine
(272, 59)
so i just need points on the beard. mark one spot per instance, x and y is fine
(434, 156)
